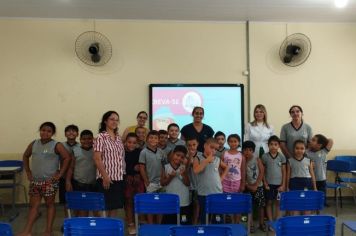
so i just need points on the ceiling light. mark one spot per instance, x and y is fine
(340, 3)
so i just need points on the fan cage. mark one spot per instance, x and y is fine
(85, 40)
(300, 40)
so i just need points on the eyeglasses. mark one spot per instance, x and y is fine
(198, 113)
(113, 119)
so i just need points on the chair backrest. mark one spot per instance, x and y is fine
(318, 225)
(338, 166)
(228, 203)
(5, 229)
(10, 163)
(349, 159)
(93, 226)
(302, 200)
(201, 230)
(86, 201)
(157, 203)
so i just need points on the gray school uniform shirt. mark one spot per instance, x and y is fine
(84, 169)
(153, 161)
(289, 134)
(172, 145)
(70, 148)
(45, 160)
(192, 175)
(252, 171)
(299, 169)
(208, 180)
(166, 151)
(219, 153)
(273, 167)
(176, 186)
(319, 159)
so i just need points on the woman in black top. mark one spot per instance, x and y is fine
(197, 129)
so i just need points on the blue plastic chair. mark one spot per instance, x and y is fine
(351, 225)
(339, 166)
(93, 226)
(156, 203)
(200, 230)
(300, 200)
(318, 225)
(5, 229)
(226, 203)
(349, 159)
(86, 201)
(15, 183)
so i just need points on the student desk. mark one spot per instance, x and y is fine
(8, 180)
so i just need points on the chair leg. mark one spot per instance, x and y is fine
(353, 193)
(337, 202)
(2, 209)
(340, 196)
(342, 229)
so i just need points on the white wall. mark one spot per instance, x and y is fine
(324, 86)
(41, 78)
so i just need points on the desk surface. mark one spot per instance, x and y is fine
(9, 168)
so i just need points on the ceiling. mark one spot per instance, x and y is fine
(190, 10)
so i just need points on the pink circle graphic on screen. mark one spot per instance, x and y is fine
(190, 100)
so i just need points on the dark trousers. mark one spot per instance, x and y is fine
(321, 186)
(217, 219)
(185, 217)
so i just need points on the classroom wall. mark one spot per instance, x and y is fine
(323, 86)
(41, 78)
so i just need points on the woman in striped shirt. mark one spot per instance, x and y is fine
(109, 157)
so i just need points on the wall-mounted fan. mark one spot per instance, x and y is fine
(295, 49)
(93, 48)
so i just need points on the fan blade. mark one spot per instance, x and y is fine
(95, 58)
(287, 58)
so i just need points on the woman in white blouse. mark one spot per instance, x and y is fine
(259, 131)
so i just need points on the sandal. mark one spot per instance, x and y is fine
(262, 228)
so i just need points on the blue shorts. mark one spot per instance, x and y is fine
(272, 193)
(300, 184)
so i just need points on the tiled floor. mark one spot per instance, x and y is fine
(348, 212)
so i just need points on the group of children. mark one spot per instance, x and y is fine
(171, 165)
(161, 162)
